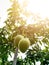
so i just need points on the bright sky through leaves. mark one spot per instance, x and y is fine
(4, 5)
(35, 6)
(38, 6)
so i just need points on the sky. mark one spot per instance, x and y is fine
(36, 6)
(40, 7)
(4, 5)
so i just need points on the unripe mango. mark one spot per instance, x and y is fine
(24, 44)
(17, 39)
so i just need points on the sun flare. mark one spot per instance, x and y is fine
(39, 7)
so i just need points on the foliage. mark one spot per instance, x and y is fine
(37, 54)
(38, 35)
(14, 17)
(5, 47)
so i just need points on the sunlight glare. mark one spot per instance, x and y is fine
(39, 6)
(30, 21)
(36, 7)
(4, 5)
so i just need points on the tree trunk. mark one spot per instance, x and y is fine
(15, 57)
(34, 63)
